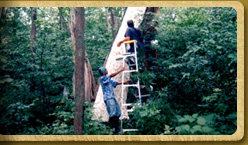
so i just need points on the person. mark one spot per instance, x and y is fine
(132, 33)
(149, 34)
(112, 105)
(150, 54)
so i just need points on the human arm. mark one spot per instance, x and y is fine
(125, 39)
(124, 81)
(115, 73)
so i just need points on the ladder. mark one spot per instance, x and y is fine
(124, 56)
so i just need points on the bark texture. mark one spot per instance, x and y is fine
(112, 22)
(33, 26)
(148, 17)
(78, 36)
(107, 19)
(33, 39)
(62, 22)
(89, 79)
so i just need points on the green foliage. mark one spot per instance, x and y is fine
(98, 41)
(94, 127)
(64, 117)
(148, 118)
(19, 117)
(33, 97)
(197, 85)
(196, 124)
(195, 91)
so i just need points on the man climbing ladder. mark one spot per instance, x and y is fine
(132, 33)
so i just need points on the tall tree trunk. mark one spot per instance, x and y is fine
(107, 19)
(112, 22)
(61, 18)
(62, 23)
(33, 27)
(79, 27)
(1, 13)
(115, 18)
(148, 17)
(33, 39)
(89, 79)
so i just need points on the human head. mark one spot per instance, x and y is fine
(130, 23)
(102, 70)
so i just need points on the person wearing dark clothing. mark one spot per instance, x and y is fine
(149, 35)
(150, 54)
(132, 34)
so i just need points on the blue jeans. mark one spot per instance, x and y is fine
(113, 107)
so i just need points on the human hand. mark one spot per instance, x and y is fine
(118, 44)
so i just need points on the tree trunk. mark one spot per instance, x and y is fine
(89, 79)
(61, 18)
(148, 17)
(62, 23)
(79, 27)
(33, 39)
(115, 18)
(112, 22)
(107, 19)
(1, 13)
(33, 27)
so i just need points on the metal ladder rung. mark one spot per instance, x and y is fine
(128, 55)
(125, 130)
(130, 110)
(132, 64)
(129, 104)
(132, 85)
(146, 95)
(128, 71)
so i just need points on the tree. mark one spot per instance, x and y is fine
(62, 23)
(33, 38)
(148, 17)
(1, 12)
(79, 46)
(112, 22)
(107, 19)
